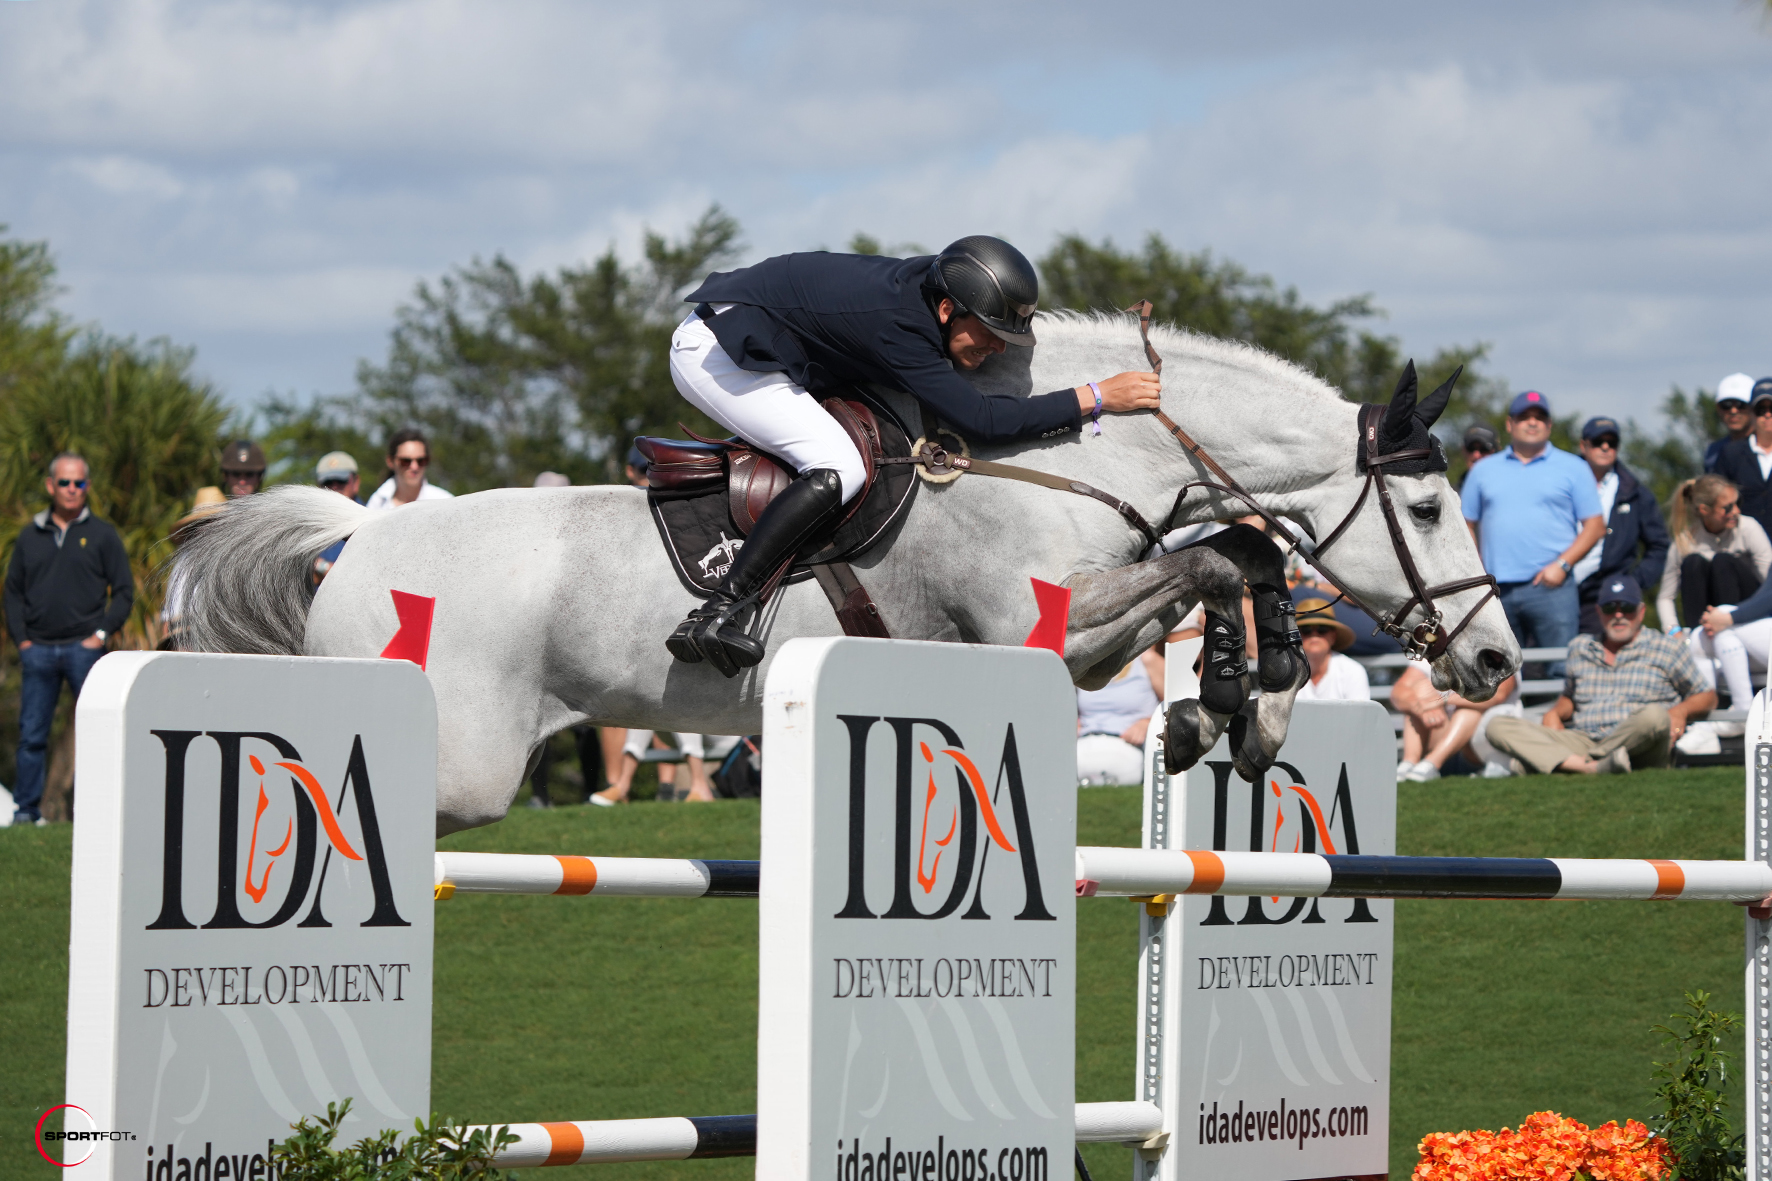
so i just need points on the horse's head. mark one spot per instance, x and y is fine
(1419, 547)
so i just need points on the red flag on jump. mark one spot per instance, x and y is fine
(1055, 616)
(413, 640)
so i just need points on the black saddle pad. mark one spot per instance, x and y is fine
(701, 538)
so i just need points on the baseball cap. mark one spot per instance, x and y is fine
(1737, 387)
(1621, 589)
(1762, 389)
(552, 480)
(335, 465)
(1481, 438)
(243, 455)
(1530, 400)
(637, 461)
(1593, 428)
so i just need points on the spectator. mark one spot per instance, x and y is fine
(1480, 442)
(68, 589)
(584, 741)
(1439, 725)
(1633, 523)
(636, 468)
(1736, 635)
(1718, 556)
(1334, 677)
(695, 754)
(1112, 723)
(409, 454)
(1748, 461)
(1735, 394)
(243, 468)
(336, 472)
(1534, 513)
(1626, 698)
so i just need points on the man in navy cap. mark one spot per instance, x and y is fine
(1636, 541)
(1748, 461)
(1627, 697)
(1535, 513)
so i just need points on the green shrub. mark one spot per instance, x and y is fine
(441, 1151)
(1694, 1118)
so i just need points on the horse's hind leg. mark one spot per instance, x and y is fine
(1259, 729)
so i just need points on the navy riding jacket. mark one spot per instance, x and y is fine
(1737, 461)
(1635, 521)
(829, 320)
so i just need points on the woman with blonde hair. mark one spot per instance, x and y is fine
(1718, 556)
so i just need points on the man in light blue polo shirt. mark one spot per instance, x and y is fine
(1534, 512)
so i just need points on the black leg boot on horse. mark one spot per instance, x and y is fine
(715, 631)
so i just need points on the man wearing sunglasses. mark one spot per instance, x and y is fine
(1636, 541)
(1748, 461)
(409, 455)
(1627, 697)
(68, 588)
(1735, 395)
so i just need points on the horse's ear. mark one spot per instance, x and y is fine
(1398, 429)
(1434, 404)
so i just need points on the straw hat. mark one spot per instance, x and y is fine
(1317, 613)
(207, 502)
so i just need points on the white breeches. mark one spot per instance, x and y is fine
(1739, 652)
(766, 410)
(700, 746)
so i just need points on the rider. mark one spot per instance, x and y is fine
(762, 339)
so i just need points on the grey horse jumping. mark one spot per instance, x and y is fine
(549, 603)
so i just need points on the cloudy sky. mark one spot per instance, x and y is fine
(1587, 186)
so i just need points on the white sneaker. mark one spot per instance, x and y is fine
(1404, 770)
(1497, 771)
(1702, 738)
(1616, 763)
(1423, 772)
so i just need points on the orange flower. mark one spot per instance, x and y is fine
(1546, 1147)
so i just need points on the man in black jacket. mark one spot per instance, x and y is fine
(68, 588)
(1633, 523)
(1748, 462)
(765, 342)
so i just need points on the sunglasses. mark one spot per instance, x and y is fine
(1731, 407)
(335, 483)
(1316, 630)
(1763, 408)
(412, 461)
(70, 483)
(1606, 441)
(1618, 608)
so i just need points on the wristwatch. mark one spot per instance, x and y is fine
(100, 633)
(1567, 568)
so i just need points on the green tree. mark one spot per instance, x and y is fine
(32, 337)
(511, 376)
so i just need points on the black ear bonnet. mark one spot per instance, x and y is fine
(1406, 426)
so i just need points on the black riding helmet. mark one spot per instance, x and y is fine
(992, 280)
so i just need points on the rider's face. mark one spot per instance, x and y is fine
(970, 343)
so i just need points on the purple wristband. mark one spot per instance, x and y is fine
(1095, 415)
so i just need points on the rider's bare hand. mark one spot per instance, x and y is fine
(1121, 393)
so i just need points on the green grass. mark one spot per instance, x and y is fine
(551, 1008)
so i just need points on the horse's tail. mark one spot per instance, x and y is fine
(241, 581)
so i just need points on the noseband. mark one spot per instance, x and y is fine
(1427, 640)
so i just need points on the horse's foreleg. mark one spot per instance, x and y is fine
(1118, 613)
(1259, 729)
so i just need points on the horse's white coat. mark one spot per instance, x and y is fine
(553, 604)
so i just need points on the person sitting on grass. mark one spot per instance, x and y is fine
(1439, 725)
(1626, 698)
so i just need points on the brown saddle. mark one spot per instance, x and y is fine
(753, 478)
(706, 496)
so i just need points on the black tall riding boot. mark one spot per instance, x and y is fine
(715, 631)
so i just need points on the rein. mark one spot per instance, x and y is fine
(1427, 640)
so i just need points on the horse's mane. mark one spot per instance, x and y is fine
(1179, 345)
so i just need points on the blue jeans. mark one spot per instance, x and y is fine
(1542, 616)
(45, 666)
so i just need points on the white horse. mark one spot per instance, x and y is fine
(552, 605)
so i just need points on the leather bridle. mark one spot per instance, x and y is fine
(1427, 640)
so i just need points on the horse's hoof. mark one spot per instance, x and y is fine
(1182, 747)
(1247, 756)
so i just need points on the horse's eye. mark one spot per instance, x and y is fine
(1426, 513)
